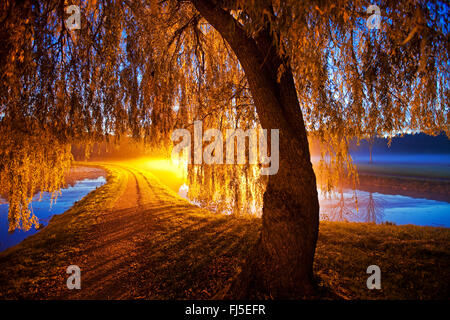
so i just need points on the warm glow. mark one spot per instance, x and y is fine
(166, 165)
(172, 174)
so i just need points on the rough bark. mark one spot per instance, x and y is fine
(282, 264)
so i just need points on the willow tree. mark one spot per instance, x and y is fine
(144, 68)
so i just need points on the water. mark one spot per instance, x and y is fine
(381, 207)
(378, 208)
(44, 210)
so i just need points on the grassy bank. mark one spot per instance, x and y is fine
(185, 252)
(414, 260)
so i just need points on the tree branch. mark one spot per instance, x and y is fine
(259, 74)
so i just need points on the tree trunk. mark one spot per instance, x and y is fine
(281, 266)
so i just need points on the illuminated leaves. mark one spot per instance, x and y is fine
(144, 68)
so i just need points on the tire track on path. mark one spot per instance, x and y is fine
(109, 253)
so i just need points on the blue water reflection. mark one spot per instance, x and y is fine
(44, 210)
(379, 208)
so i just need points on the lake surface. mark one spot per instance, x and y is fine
(378, 208)
(44, 210)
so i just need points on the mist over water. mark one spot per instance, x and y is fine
(419, 158)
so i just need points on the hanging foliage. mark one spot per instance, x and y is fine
(144, 68)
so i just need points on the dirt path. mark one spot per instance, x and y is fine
(116, 258)
(108, 258)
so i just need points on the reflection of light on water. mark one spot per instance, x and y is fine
(372, 207)
(379, 208)
(215, 206)
(183, 191)
(181, 165)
